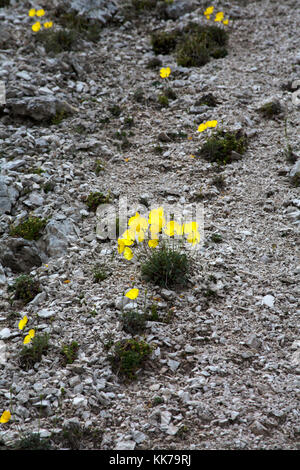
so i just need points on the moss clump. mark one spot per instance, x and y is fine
(57, 41)
(69, 352)
(33, 353)
(30, 229)
(216, 238)
(166, 267)
(133, 322)
(270, 110)
(25, 288)
(219, 147)
(193, 46)
(115, 110)
(95, 199)
(163, 101)
(129, 356)
(99, 273)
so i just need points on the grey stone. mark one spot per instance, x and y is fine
(39, 108)
(101, 10)
(20, 255)
(180, 7)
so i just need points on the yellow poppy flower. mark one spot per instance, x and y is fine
(23, 322)
(219, 16)
(153, 243)
(48, 24)
(209, 11)
(156, 218)
(31, 333)
(173, 227)
(202, 127)
(190, 227)
(32, 12)
(225, 21)
(132, 294)
(193, 238)
(165, 72)
(5, 417)
(128, 253)
(40, 12)
(138, 223)
(36, 26)
(27, 339)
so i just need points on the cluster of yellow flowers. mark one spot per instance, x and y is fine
(39, 13)
(31, 333)
(139, 229)
(219, 16)
(6, 415)
(207, 124)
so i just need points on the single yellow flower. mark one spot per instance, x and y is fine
(31, 333)
(40, 12)
(36, 26)
(202, 127)
(48, 24)
(219, 16)
(207, 17)
(32, 12)
(5, 417)
(27, 339)
(173, 227)
(138, 223)
(209, 11)
(225, 21)
(67, 281)
(128, 253)
(132, 294)
(193, 237)
(165, 72)
(153, 243)
(156, 218)
(213, 123)
(23, 322)
(190, 227)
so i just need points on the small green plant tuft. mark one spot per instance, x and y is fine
(57, 41)
(32, 441)
(33, 353)
(207, 100)
(30, 229)
(25, 288)
(193, 46)
(95, 199)
(129, 356)
(166, 267)
(270, 110)
(216, 238)
(69, 352)
(163, 100)
(99, 273)
(219, 146)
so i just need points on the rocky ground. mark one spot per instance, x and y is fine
(225, 349)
